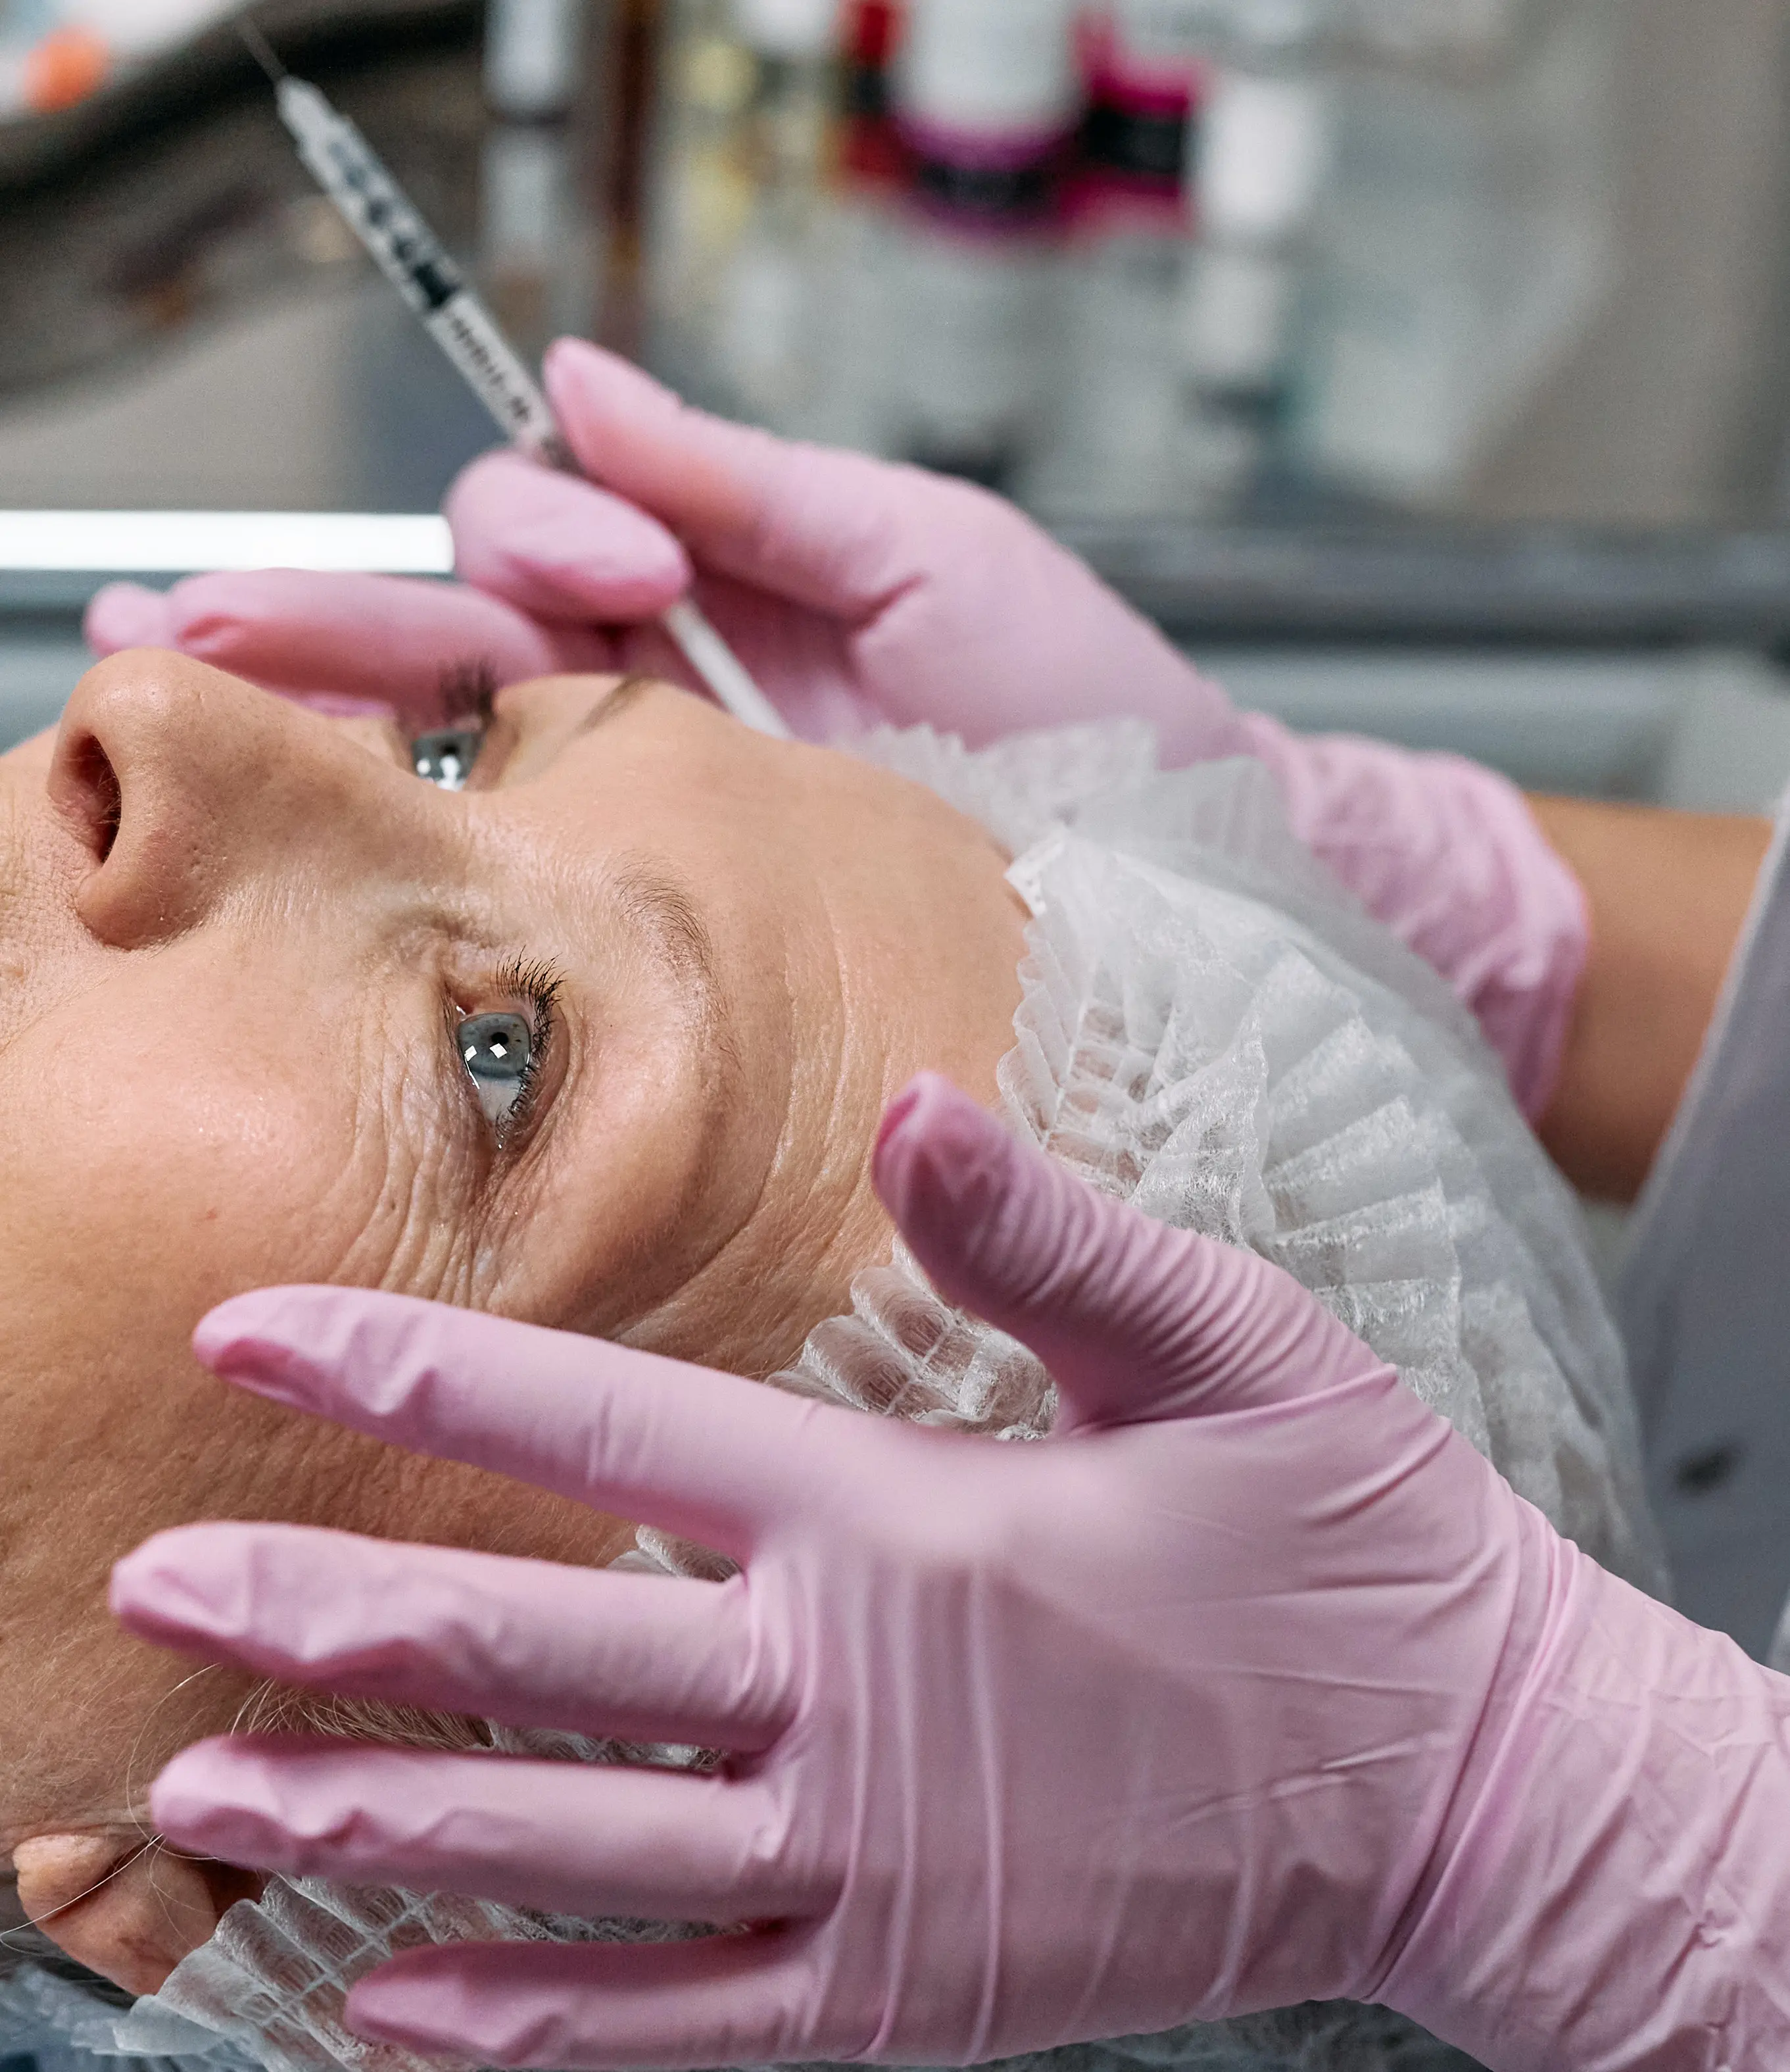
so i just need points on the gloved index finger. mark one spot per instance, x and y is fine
(818, 528)
(389, 637)
(709, 1457)
(530, 1644)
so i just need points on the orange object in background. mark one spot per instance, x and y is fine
(66, 66)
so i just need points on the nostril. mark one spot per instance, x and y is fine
(98, 796)
(152, 751)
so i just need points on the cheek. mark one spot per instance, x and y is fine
(137, 1187)
(156, 1151)
(84, 1731)
(98, 1460)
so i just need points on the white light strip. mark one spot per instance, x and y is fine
(184, 542)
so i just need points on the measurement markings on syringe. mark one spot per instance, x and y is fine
(417, 260)
(466, 332)
(412, 258)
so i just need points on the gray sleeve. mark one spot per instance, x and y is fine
(1705, 1300)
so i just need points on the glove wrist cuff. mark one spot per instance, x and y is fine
(1613, 1887)
(1449, 857)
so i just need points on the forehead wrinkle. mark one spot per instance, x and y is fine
(657, 910)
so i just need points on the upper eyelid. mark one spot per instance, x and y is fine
(499, 737)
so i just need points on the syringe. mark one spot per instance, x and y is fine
(412, 258)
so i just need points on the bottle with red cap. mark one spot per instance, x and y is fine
(870, 151)
(987, 96)
(1145, 71)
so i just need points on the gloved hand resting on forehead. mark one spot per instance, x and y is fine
(858, 592)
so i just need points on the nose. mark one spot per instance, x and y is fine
(181, 782)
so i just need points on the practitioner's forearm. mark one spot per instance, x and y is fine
(1668, 895)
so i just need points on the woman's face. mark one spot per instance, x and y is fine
(243, 949)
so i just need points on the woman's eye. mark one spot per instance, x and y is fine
(497, 1051)
(445, 757)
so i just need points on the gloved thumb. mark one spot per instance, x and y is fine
(1136, 1321)
(561, 549)
(812, 525)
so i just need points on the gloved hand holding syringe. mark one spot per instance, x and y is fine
(417, 264)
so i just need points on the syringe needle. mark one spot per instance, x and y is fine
(412, 259)
(259, 49)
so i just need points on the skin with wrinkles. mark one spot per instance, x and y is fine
(237, 938)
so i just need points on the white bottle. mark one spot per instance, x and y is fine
(1264, 156)
(1264, 153)
(795, 30)
(998, 71)
(531, 54)
(539, 251)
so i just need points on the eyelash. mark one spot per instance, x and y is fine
(468, 691)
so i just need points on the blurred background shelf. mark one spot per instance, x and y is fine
(1657, 676)
(1420, 365)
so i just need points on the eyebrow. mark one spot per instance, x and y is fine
(624, 695)
(660, 913)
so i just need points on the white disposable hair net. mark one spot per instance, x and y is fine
(1210, 1029)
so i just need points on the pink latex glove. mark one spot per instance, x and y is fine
(857, 592)
(1252, 1682)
